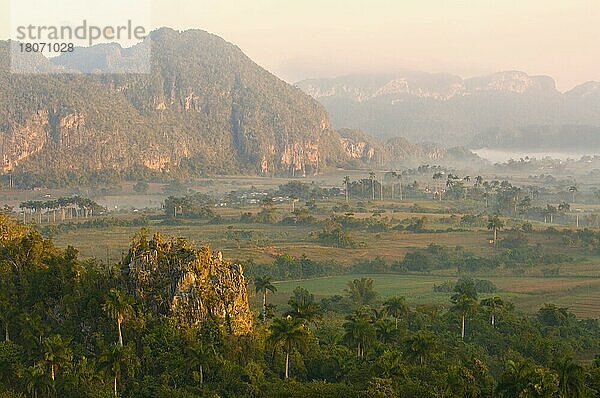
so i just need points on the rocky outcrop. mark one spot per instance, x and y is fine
(361, 146)
(203, 108)
(398, 151)
(172, 277)
(23, 141)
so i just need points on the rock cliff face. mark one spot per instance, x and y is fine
(204, 108)
(360, 146)
(172, 277)
(397, 152)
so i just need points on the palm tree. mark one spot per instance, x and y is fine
(294, 200)
(495, 223)
(372, 178)
(514, 381)
(381, 190)
(386, 330)
(465, 301)
(116, 361)
(8, 309)
(119, 306)
(200, 355)
(495, 304)
(303, 306)
(463, 304)
(573, 190)
(396, 307)
(359, 330)
(564, 207)
(36, 380)
(420, 346)
(571, 379)
(288, 332)
(399, 177)
(56, 353)
(361, 292)
(262, 284)
(550, 211)
(478, 181)
(347, 186)
(526, 379)
(524, 204)
(393, 174)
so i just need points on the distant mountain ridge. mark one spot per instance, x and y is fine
(204, 108)
(447, 108)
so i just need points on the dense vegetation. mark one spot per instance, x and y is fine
(73, 329)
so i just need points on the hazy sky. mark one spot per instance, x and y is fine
(296, 39)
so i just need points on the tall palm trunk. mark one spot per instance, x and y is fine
(462, 330)
(201, 374)
(115, 386)
(119, 330)
(265, 304)
(6, 334)
(287, 363)
(493, 318)
(401, 192)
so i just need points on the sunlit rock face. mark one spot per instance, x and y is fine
(172, 277)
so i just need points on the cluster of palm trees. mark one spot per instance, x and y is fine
(41, 377)
(465, 303)
(117, 358)
(68, 207)
(525, 379)
(291, 330)
(397, 175)
(361, 329)
(366, 325)
(114, 361)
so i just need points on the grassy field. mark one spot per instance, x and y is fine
(581, 295)
(578, 286)
(274, 240)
